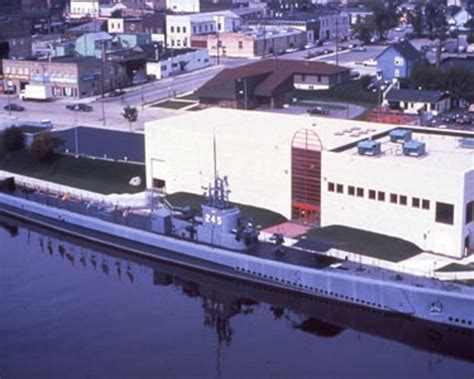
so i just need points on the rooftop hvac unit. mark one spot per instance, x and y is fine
(400, 135)
(414, 148)
(467, 142)
(369, 148)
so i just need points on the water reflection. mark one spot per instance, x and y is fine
(222, 298)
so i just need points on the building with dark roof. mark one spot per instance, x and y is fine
(413, 101)
(464, 63)
(268, 82)
(397, 60)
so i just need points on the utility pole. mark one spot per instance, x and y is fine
(102, 69)
(218, 47)
(337, 40)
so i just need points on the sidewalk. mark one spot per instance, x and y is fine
(423, 264)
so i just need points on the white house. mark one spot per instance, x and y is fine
(180, 28)
(84, 8)
(192, 6)
(310, 169)
(458, 20)
(412, 101)
(178, 61)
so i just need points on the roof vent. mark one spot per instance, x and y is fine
(467, 143)
(400, 135)
(369, 148)
(414, 148)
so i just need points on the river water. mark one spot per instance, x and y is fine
(72, 309)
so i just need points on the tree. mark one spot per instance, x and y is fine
(365, 29)
(415, 18)
(458, 82)
(44, 146)
(130, 114)
(385, 15)
(470, 38)
(427, 77)
(13, 139)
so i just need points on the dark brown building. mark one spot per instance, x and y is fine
(269, 81)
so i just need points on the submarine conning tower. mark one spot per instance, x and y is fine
(221, 221)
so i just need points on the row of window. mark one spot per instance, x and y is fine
(178, 42)
(444, 212)
(372, 194)
(178, 29)
(39, 71)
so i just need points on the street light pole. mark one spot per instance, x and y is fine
(9, 101)
(103, 113)
(337, 39)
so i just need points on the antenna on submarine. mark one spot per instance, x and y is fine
(215, 155)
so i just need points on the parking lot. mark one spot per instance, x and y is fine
(458, 119)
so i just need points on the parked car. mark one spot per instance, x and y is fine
(117, 93)
(318, 110)
(354, 74)
(79, 107)
(370, 62)
(12, 107)
(359, 49)
(463, 120)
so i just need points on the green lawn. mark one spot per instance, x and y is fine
(259, 216)
(351, 91)
(173, 104)
(89, 174)
(367, 243)
(456, 267)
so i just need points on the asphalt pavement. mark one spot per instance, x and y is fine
(107, 111)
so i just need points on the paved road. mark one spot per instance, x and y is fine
(112, 108)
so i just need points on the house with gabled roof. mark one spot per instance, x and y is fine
(398, 60)
(268, 81)
(414, 101)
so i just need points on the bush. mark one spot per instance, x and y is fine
(365, 81)
(470, 38)
(44, 145)
(13, 139)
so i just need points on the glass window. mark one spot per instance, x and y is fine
(425, 204)
(372, 194)
(415, 202)
(393, 198)
(445, 213)
(403, 200)
(381, 196)
(172, 29)
(351, 190)
(331, 187)
(360, 192)
(340, 188)
(469, 212)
